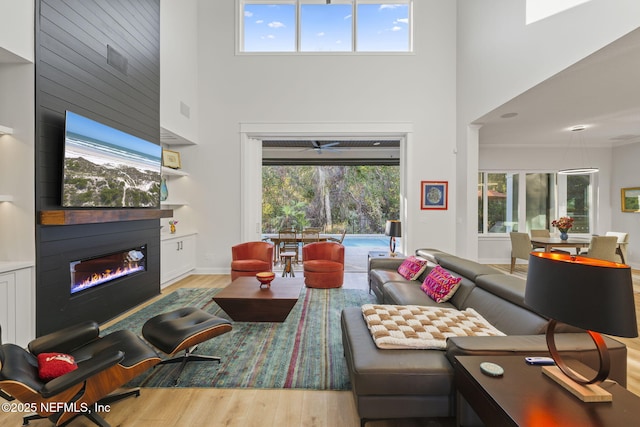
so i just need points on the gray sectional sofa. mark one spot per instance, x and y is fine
(408, 383)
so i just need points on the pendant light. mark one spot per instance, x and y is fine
(582, 151)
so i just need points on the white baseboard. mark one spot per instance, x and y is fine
(500, 261)
(212, 271)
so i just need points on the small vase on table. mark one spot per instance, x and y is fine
(564, 235)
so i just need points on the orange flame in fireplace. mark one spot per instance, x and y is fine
(106, 276)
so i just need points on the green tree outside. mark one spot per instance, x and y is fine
(357, 198)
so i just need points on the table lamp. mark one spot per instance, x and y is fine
(590, 294)
(393, 229)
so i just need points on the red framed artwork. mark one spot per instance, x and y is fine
(434, 195)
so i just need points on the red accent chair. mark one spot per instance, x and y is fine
(250, 258)
(323, 264)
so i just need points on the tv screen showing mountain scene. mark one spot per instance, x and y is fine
(105, 167)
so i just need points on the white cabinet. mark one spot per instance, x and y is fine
(17, 312)
(177, 256)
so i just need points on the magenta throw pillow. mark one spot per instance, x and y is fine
(412, 267)
(440, 285)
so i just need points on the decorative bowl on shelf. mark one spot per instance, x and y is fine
(265, 278)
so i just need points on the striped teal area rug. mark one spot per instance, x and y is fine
(304, 352)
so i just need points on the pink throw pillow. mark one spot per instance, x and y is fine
(412, 267)
(440, 285)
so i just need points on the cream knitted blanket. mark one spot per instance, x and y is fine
(420, 327)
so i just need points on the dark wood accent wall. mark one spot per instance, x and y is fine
(100, 59)
(83, 216)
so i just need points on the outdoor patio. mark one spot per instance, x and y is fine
(357, 248)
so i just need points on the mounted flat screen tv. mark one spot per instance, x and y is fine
(107, 168)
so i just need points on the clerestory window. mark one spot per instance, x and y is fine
(306, 26)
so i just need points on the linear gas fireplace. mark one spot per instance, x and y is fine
(96, 271)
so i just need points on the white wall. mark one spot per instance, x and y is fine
(627, 174)
(17, 100)
(17, 229)
(179, 46)
(499, 57)
(179, 65)
(418, 89)
(17, 29)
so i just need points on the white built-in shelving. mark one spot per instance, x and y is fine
(173, 172)
(171, 140)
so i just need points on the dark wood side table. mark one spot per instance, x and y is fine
(383, 254)
(525, 397)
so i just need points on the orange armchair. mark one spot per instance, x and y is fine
(250, 258)
(323, 264)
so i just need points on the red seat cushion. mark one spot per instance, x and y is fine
(250, 265)
(321, 265)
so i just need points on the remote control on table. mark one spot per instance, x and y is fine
(539, 360)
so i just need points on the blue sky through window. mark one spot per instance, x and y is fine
(326, 27)
(269, 28)
(383, 28)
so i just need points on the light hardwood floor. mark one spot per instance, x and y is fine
(169, 407)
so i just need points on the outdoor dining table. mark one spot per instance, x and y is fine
(275, 239)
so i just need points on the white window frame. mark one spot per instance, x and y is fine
(240, 27)
(559, 202)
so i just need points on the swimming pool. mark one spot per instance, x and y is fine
(374, 242)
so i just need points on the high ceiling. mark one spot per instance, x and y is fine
(602, 92)
(331, 150)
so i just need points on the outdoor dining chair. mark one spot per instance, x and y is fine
(288, 238)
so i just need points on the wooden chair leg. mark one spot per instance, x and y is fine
(513, 264)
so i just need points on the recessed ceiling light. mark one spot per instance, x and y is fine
(508, 115)
(577, 128)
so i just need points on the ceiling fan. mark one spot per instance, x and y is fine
(319, 147)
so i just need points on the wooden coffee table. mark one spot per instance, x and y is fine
(244, 301)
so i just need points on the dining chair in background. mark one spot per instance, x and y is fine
(602, 247)
(310, 235)
(288, 238)
(623, 241)
(539, 233)
(521, 247)
(338, 239)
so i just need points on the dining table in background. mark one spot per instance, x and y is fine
(555, 242)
